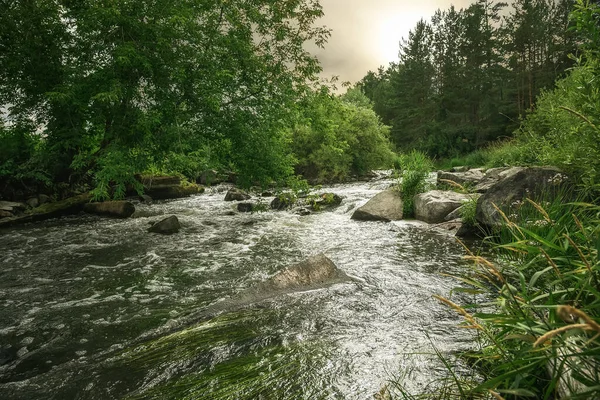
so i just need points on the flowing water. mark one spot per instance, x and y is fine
(92, 308)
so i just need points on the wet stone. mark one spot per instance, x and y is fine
(166, 226)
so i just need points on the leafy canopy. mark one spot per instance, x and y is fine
(118, 86)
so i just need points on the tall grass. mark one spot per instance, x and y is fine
(505, 153)
(539, 337)
(414, 168)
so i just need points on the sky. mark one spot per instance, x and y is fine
(367, 33)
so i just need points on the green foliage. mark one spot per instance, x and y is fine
(414, 169)
(467, 212)
(20, 156)
(336, 138)
(116, 86)
(477, 158)
(539, 335)
(563, 130)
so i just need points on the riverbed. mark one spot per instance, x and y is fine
(97, 308)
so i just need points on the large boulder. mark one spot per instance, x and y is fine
(118, 209)
(166, 226)
(317, 270)
(385, 206)
(235, 194)
(495, 175)
(515, 186)
(470, 177)
(435, 205)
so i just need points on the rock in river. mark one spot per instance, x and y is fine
(235, 194)
(245, 207)
(317, 270)
(435, 205)
(118, 209)
(385, 206)
(470, 177)
(167, 187)
(166, 226)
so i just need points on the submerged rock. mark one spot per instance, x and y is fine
(385, 206)
(166, 226)
(435, 205)
(245, 207)
(118, 209)
(235, 194)
(313, 272)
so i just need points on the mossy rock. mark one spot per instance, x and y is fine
(325, 200)
(162, 192)
(57, 209)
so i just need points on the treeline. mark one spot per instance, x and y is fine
(93, 92)
(467, 77)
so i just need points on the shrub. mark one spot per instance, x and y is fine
(335, 138)
(20, 159)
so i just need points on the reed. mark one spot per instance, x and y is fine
(539, 336)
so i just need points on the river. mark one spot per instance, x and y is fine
(87, 304)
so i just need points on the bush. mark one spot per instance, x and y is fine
(20, 159)
(564, 128)
(335, 138)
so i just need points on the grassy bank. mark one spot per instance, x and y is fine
(535, 308)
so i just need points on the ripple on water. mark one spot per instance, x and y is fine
(79, 292)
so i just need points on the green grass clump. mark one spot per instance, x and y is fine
(414, 168)
(478, 158)
(468, 210)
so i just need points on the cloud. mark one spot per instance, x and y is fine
(366, 33)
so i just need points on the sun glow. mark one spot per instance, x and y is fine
(391, 31)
